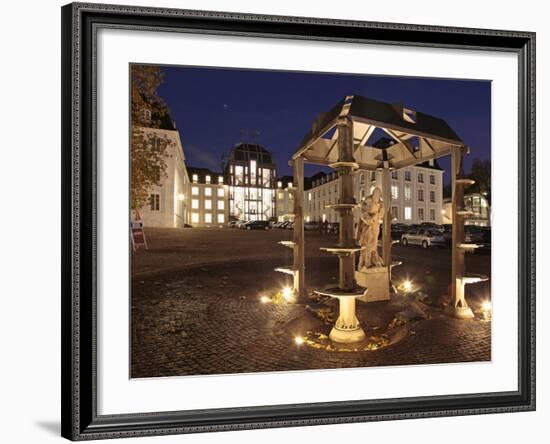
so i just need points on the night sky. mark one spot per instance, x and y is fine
(212, 106)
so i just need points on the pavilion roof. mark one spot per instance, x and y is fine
(415, 137)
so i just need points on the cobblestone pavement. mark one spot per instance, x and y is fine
(208, 319)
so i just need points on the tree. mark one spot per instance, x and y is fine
(148, 151)
(481, 173)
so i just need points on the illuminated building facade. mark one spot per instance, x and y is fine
(206, 198)
(417, 194)
(249, 171)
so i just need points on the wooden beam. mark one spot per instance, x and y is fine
(298, 232)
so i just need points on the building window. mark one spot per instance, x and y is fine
(407, 192)
(394, 213)
(147, 115)
(207, 204)
(207, 179)
(420, 178)
(421, 214)
(195, 218)
(195, 204)
(208, 218)
(407, 175)
(220, 179)
(394, 192)
(221, 218)
(362, 179)
(408, 213)
(280, 195)
(432, 196)
(221, 192)
(195, 178)
(221, 204)
(208, 191)
(195, 191)
(432, 179)
(421, 195)
(395, 175)
(154, 202)
(432, 214)
(279, 184)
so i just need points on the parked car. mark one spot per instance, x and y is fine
(289, 225)
(397, 230)
(426, 237)
(310, 226)
(258, 225)
(473, 234)
(241, 224)
(233, 224)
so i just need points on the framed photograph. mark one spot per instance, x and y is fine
(281, 221)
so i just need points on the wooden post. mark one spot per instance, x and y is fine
(298, 233)
(458, 228)
(386, 226)
(346, 238)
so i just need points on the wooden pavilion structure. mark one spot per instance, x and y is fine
(339, 139)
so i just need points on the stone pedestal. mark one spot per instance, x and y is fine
(377, 280)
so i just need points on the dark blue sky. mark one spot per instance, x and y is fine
(212, 105)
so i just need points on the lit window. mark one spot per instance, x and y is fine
(420, 178)
(195, 204)
(279, 184)
(432, 196)
(195, 178)
(421, 195)
(421, 214)
(207, 204)
(220, 179)
(394, 192)
(408, 213)
(195, 218)
(207, 179)
(208, 218)
(308, 196)
(280, 195)
(221, 204)
(432, 214)
(208, 191)
(407, 192)
(221, 218)
(154, 202)
(432, 179)
(407, 175)
(195, 191)
(221, 192)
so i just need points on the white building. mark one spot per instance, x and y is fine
(250, 174)
(166, 205)
(284, 206)
(417, 194)
(474, 202)
(207, 198)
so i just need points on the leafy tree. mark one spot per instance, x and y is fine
(148, 151)
(481, 173)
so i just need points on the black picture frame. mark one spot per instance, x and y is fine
(80, 420)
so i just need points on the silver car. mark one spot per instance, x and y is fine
(426, 237)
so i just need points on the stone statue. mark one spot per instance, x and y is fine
(372, 212)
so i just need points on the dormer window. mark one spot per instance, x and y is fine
(147, 115)
(409, 115)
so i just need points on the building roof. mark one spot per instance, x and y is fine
(418, 136)
(202, 173)
(244, 152)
